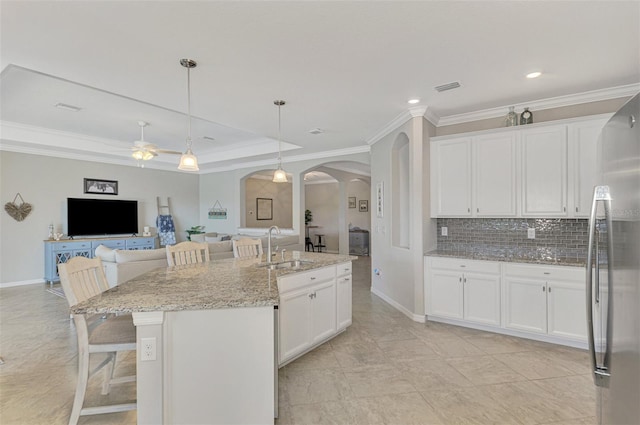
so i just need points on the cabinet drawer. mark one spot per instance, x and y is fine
(113, 244)
(71, 246)
(545, 272)
(302, 279)
(139, 242)
(344, 268)
(464, 265)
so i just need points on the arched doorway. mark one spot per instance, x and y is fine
(265, 203)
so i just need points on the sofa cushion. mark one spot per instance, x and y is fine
(105, 253)
(285, 240)
(128, 256)
(222, 246)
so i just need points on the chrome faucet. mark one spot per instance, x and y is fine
(277, 229)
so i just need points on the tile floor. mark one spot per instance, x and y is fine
(385, 369)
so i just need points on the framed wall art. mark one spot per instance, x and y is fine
(352, 201)
(364, 205)
(264, 209)
(101, 187)
(380, 199)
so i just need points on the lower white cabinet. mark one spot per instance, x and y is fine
(314, 306)
(519, 299)
(546, 300)
(463, 289)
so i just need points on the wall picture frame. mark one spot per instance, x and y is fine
(101, 187)
(264, 209)
(363, 205)
(352, 201)
(380, 199)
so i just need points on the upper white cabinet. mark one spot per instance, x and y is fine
(544, 172)
(494, 185)
(451, 178)
(583, 164)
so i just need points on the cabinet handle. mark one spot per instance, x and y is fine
(576, 209)
(544, 289)
(460, 279)
(547, 272)
(347, 279)
(477, 209)
(464, 280)
(468, 209)
(313, 278)
(549, 288)
(564, 209)
(462, 265)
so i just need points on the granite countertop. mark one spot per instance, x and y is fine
(229, 283)
(530, 257)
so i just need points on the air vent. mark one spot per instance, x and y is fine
(209, 138)
(67, 107)
(316, 131)
(448, 86)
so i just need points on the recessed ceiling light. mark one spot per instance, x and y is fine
(67, 107)
(535, 74)
(413, 101)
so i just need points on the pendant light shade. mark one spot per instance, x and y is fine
(280, 176)
(188, 161)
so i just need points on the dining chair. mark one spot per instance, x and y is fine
(187, 253)
(81, 279)
(247, 248)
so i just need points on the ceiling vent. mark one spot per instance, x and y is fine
(448, 86)
(316, 131)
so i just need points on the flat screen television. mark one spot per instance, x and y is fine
(97, 217)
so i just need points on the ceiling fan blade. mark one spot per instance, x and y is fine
(168, 151)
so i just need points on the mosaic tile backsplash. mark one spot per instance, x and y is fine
(507, 237)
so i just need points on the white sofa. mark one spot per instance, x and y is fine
(123, 265)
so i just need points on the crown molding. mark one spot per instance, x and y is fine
(394, 124)
(553, 102)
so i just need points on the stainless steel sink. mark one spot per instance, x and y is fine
(285, 264)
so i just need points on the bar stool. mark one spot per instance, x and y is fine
(308, 244)
(319, 242)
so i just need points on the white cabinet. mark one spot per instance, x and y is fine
(546, 300)
(583, 164)
(494, 163)
(463, 289)
(343, 296)
(451, 178)
(544, 172)
(314, 306)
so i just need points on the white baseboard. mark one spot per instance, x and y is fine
(20, 283)
(402, 309)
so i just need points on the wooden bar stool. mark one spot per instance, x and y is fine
(319, 242)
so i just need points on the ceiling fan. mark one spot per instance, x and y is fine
(144, 151)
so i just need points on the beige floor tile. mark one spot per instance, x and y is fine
(361, 354)
(378, 380)
(432, 373)
(405, 409)
(329, 413)
(307, 386)
(577, 392)
(484, 370)
(535, 364)
(468, 406)
(406, 350)
(319, 358)
(492, 343)
(453, 346)
(531, 404)
(590, 420)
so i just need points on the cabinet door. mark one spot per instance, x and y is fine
(323, 311)
(444, 295)
(544, 172)
(567, 310)
(343, 304)
(295, 325)
(525, 304)
(494, 162)
(451, 161)
(482, 298)
(583, 143)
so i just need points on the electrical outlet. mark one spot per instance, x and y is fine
(531, 233)
(445, 231)
(147, 349)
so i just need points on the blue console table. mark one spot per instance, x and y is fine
(56, 252)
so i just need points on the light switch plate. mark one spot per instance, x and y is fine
(531, 233)
(445, 231)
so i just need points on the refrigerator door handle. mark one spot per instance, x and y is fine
(601, 373)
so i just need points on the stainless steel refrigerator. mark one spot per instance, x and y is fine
(613, 270)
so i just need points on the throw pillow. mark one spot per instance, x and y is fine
(105, 253)
(127, 256)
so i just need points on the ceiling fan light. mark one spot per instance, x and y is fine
(188, 161)
(280, 176)
(147, 156)
(137, 155)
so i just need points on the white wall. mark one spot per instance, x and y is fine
(47, 182)
(359, 190)
(281, 195)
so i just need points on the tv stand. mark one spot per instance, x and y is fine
(56, 252)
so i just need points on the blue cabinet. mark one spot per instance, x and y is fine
(56, 252)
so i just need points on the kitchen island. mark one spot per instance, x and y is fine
(206, 337)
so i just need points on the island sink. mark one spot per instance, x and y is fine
(285, 264)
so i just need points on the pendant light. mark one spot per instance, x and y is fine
(188, 161)
(280, 176)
